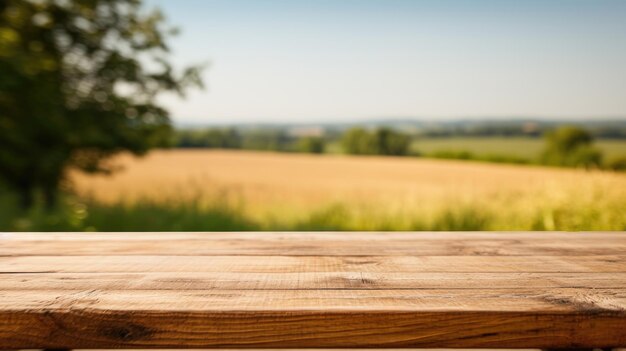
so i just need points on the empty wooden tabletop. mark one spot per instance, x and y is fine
(296, 290)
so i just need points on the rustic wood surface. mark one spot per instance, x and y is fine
(296, 290)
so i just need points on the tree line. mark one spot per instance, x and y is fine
(565, 146)
(355, 141)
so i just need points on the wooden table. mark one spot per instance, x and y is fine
(271, 290)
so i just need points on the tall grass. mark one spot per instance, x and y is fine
(76, 214)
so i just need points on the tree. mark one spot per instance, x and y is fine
(571, 146)
(390, 142)
(207, 138)
(312, 145)
(358, 141)
(261, 139)
(382, 141)
(78, 85)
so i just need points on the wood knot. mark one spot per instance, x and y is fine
(128, 332)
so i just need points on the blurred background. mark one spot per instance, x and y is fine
(163, 115)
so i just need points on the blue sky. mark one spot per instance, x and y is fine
(325, 60)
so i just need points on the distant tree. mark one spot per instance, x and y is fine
(312, 145)
(571, 146)
(228, 138)
(382, 141)
(271, 140)
(187, 139)
(78, 81)
(207, 138)
(390, 142)
(358, 141)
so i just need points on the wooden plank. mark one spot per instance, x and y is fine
(318, 236)
(287, 264)
(306, 280)
(334, 318)
(310, 245)
(225, 290)
(553, 300)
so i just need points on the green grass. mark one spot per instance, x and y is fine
(515, 147)
(75, 214)
(518, 150)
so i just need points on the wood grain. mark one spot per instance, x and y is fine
(326, 244)
(290, 264)
(307, 281)
(295, 290)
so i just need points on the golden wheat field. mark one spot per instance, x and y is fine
(372, 189)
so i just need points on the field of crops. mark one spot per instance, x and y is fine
(273, 191)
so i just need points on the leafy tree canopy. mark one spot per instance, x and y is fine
(571, 146)
(78, 84)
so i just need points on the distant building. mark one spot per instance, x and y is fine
(300, 132)
(530, 128)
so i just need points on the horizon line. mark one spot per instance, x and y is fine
(177, 121)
